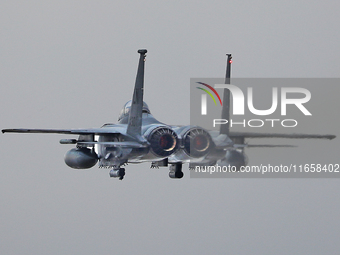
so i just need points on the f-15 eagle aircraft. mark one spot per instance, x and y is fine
(139, 137)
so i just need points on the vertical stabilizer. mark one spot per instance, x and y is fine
(135, 118)
(226, 99)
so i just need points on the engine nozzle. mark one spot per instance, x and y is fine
(163, 141)
(197, 142)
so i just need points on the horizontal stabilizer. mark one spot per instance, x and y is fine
(115, 144)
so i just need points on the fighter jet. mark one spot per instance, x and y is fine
(139, 137)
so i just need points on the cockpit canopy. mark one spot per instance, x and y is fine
(126, 110)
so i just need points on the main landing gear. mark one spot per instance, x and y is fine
(176, 171)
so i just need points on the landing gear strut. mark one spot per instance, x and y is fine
(118, 173)
(176, 171)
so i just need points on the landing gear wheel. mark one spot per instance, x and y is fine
(176, 175)
(121, 173)
(118, 173)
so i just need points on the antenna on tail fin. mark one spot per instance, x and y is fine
(226, 99)
(134, 127)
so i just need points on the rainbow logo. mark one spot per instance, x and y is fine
(209, 93)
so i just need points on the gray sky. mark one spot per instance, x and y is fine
(71, 64)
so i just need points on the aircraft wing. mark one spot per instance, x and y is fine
(276, 135)
(241, 146)
(95, 131)
(238, 139)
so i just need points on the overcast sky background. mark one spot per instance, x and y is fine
(72, 64)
